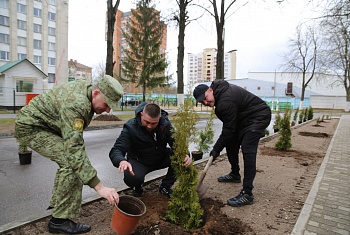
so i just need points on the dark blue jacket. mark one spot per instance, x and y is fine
(135, 141)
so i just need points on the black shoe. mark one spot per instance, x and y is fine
(241, 199)
(230, 178)
(137, 191)
(165, 190)
(69, 227)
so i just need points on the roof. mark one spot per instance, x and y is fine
(79, 65)
(12, 64)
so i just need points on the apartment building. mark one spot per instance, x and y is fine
(202, 66)
(119, 43)
(36, 30)
(78, 71)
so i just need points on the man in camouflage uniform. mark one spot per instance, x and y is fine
(52, 124)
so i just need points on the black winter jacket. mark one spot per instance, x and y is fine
(135, 141)
(239, 110)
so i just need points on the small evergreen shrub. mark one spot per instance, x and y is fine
(310, 113)
(184, 208)
(284, 142)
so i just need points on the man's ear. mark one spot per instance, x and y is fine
(95, 92)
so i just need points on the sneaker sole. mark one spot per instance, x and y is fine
(240, 205)
(229, 181)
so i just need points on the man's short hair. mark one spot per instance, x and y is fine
(152, 110)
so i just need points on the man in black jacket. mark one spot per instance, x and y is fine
(144, 141)
(245, 117)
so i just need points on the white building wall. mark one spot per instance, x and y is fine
(328, 102)
(320, 84)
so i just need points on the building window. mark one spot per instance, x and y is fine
(51, 61)
(52, 16)
(51, 78)
(52, 31)
(37, 28)
(21, 8)
(22, 56)
(52, 2)
(37, 59)
(4, 38)
(37, 44)
(52, 46)
(21, 41)
(4, 4)
(24, 86)
(37, 12)
(21, 24)
(4, 20)
(4, 55)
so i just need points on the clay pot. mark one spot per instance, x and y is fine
(25, 158)
(127, 214)
(196, 155)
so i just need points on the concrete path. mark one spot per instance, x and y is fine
(327, 207)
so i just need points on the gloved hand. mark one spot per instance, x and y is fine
(214, 154)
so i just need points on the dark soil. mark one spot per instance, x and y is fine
(106, 117)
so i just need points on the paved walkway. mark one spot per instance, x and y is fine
(327, 207)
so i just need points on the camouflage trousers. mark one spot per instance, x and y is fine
(67, 190)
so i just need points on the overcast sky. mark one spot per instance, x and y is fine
(259, 33)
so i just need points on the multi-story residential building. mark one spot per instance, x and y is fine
(202, 66)
(119, 43)
(38, 31)
(79, 71)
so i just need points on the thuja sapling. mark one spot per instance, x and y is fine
(184, 208)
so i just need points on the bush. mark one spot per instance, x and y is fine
(284, 142)
(184, 208)
(310, 113)
(277, 123)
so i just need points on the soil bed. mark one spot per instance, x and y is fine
(282, 183)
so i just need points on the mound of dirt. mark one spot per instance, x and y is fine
(106, 117)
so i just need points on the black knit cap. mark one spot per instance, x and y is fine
(199, 92)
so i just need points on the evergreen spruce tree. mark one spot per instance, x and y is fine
(184, 208)
(144, 62)
(284, 142)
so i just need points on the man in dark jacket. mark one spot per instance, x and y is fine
(245, 117)
(144, 141)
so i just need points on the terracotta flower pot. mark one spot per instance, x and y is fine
(127, 214)
(25, 158)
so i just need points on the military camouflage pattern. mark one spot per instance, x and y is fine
(112, 89)
(52, 124)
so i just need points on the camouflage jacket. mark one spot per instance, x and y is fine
(65, 110)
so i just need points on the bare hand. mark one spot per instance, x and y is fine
(187, 161)
(124, 165)
(108, 193)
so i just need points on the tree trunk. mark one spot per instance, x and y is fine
(181, 49)
(111, 12)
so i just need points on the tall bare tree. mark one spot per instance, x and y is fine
(181, 18)
(336, 25)
(219, 14)
(111, 11)
(302, 56)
